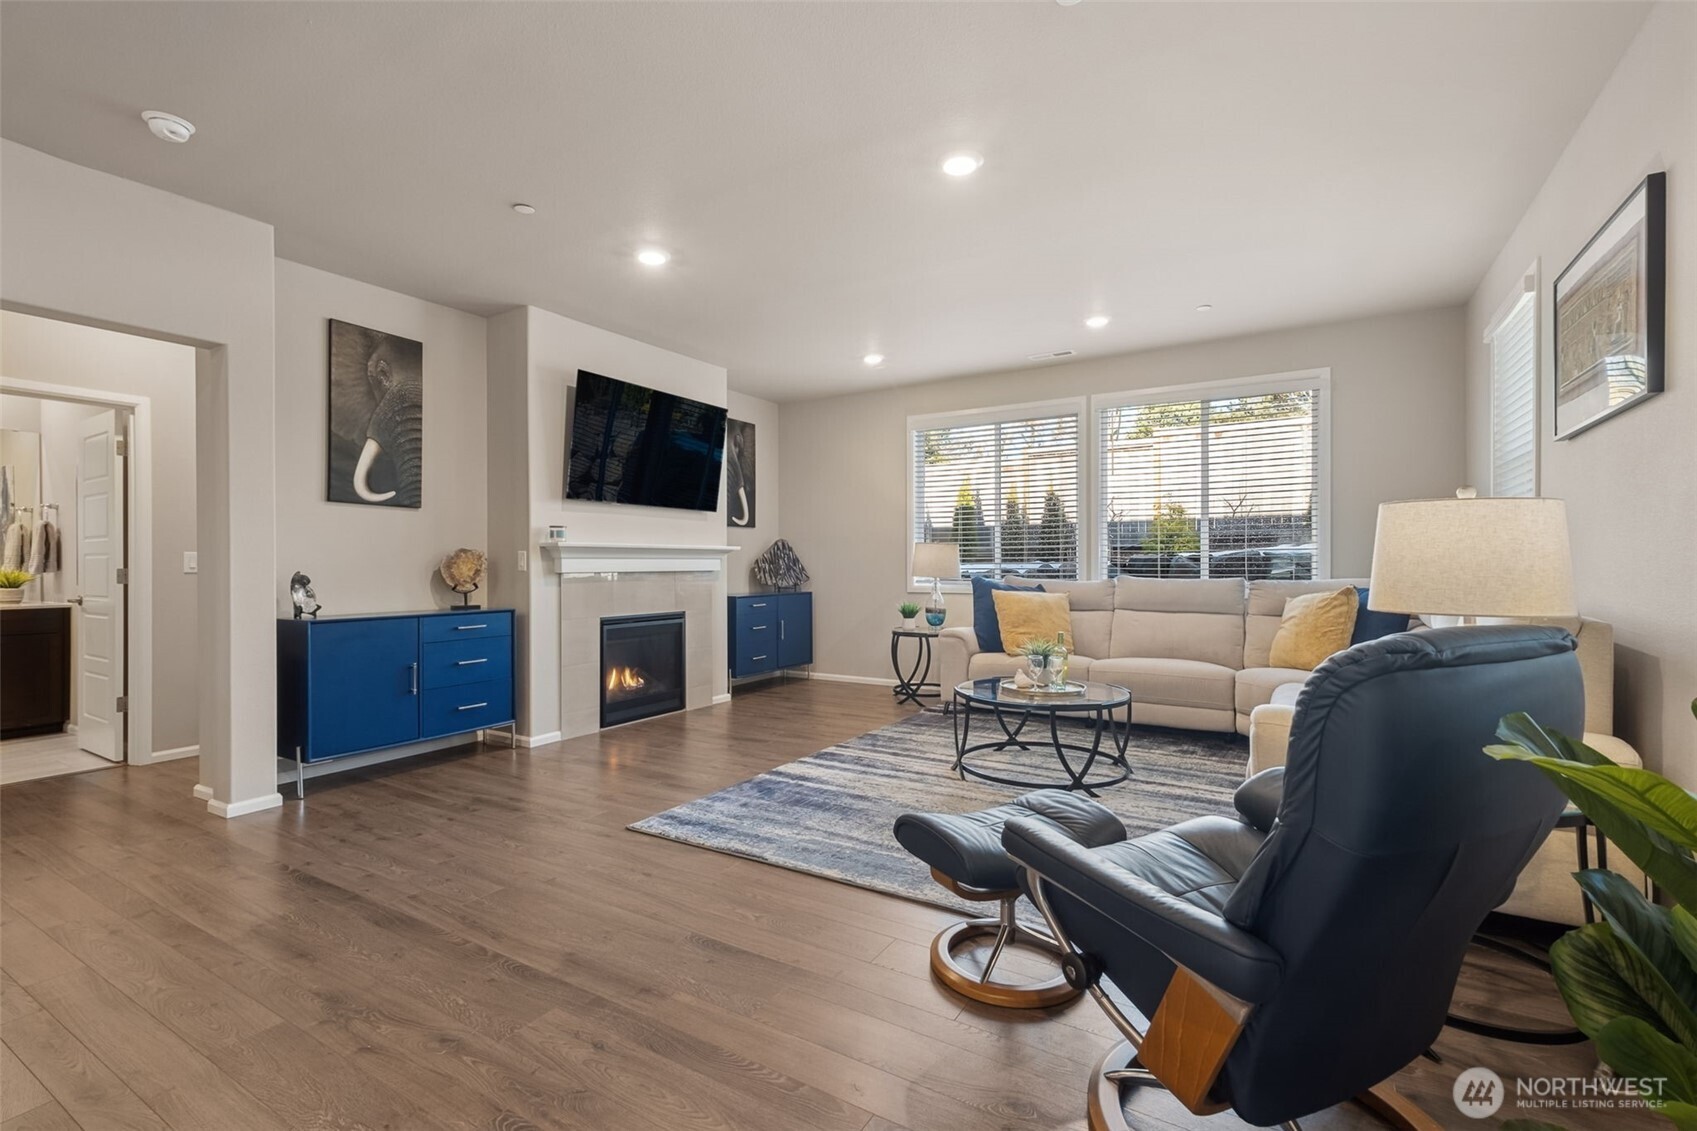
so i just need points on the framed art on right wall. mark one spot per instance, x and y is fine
(1609, 314)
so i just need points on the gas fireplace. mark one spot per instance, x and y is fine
(642, 667)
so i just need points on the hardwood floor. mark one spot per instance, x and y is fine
(475, 940)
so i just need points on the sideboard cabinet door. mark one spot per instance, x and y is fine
(364, 691)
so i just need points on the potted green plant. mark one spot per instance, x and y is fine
(1041, 656)
(12, 582)
(1630, 979)
(909, 612)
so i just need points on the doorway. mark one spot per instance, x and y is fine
(82, 669)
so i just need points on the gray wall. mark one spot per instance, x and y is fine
(370, 559)
(63, 353)
(1396, 433)
(1631, 482)
(753, 540)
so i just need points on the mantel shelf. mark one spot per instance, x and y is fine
(633, 557)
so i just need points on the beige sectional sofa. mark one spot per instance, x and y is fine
(1194, 654)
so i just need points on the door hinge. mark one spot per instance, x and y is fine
(123, 576)
(123, 446)
(123, 704)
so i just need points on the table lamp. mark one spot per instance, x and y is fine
(1472, 558)
(936, 560)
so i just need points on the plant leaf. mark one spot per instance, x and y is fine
(1596, 993)
(1636, 1050)
(1644, 794)
(1684, 1115)
(1663, 861)
(1644, 926)
(1521, 729)
(1684, 926)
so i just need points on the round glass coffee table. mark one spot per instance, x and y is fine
(1012, 709)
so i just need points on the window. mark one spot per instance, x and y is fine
(1004, 486)
(1227, 484)
(1512, 340)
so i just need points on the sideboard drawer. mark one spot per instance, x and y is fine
(448, 663)
(468, 706)
(472, 625)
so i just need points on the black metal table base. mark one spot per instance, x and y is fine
(1078, 777)
(916, 681)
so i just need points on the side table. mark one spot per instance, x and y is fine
(916, 681)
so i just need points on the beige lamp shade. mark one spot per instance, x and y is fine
(1473, 557)
(936, 559)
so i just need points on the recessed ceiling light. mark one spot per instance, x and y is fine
(653, 257)
(168, 127)
(1097, 321)
(1206, 306)
(873, 359)
(525, 209)
(962, 164)
(1066, 3)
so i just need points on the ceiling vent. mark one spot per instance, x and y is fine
(1055, 355)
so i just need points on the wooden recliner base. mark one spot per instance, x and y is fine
(1007, 931)
(1120, 1066)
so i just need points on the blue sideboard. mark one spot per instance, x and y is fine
(770, 632)
(354, 684)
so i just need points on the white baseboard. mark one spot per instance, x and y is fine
(875, 681)
(204, 792)
(529, 740)
(258, 804)
(718, 699)
(173, 754)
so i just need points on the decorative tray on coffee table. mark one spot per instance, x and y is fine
(1072, 688)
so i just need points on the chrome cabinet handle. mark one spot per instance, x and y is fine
(759, 627)
(473, 706)
(760, 657)
(468, 627)
(757, 604)
(783, 630)
(463, 663)
(414, 669)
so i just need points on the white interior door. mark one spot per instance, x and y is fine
(100, 617)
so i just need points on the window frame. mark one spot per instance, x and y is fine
(1525, 293)
(998, 414)
(1296, 380)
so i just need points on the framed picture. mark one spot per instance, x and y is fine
(376, 441)
(1609, 314)
(739, 473)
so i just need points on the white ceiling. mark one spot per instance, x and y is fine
(1288, 163)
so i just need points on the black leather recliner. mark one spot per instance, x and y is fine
(1317, 937)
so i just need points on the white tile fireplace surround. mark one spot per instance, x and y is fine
(602, 580)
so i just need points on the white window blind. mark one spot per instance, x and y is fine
(1222, 486)
(1514, 399)
(1005, 491)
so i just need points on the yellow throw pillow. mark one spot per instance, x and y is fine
(1314, 626)
(1032, 616)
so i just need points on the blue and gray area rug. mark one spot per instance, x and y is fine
(830, 814)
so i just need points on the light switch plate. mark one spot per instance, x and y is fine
(524, 561)
(191, 561)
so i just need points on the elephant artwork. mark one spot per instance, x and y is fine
(376, 417)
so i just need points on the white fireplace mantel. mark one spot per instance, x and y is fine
(629, 557)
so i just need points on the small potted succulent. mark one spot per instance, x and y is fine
(1041, 659)
(12, 582)
(909, 612)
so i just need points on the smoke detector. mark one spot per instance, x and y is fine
(1054, 355)
(168, 127)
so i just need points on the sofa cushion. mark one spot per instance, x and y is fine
(983, 665)
(1371, 624)
(1092, 613)
(1177, 683)
(1182, 619)
(1267, 607)
(1255, 686)
(1313, 627)
(1025, 617)
(984, 623)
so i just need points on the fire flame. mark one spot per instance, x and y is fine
(623, 679)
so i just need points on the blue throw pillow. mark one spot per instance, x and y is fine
(1370, 624)
(984, 621)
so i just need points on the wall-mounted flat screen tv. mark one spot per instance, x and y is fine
(632, 444)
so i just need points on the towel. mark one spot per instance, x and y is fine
(39, 547)
(16, 536)
(50, 559)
